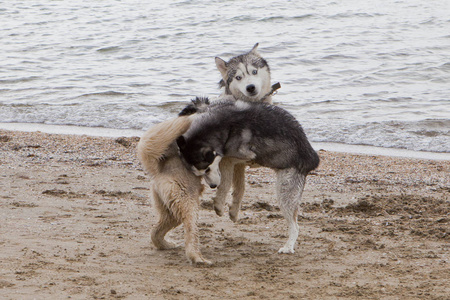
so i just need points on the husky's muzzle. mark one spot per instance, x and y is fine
(251, 89)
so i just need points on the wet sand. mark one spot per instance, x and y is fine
(76, 215)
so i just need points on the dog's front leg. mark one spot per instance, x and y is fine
(226, 170)
(192, 243)
(238, 190)
(186, 210)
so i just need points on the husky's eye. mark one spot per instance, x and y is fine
(238, 77)
(207, 170)
(254, 72)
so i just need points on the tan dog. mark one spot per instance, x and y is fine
(176, 190)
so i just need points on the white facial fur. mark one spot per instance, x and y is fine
(247, 75)
(211, 174)
(212, 177)
(242, 105)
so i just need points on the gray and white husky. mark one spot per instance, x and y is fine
(252, 132)
(245, 77)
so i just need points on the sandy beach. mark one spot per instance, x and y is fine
(76, 215)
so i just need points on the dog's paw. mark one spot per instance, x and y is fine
(218, 209)
(201, 261)
(234, 217)
(165, 245)
(286, 250)
(233, 214)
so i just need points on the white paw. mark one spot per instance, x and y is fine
(218, 209)
(233, 216)
(286, 250)
(233, 212)
(198, 259)
(167, 245)
(202, 262)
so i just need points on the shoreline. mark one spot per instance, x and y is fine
(328, 146)
(77, 214)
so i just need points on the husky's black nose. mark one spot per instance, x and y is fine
(251, 88)
(213, 186)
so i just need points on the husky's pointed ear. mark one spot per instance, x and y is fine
(181, 142)
(222, 66)
(254, 48)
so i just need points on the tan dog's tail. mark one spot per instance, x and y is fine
(156, 141)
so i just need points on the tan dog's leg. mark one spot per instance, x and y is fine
(183, 209)
(238, 190)
(192, 242)
(166, 222)
(226, 170)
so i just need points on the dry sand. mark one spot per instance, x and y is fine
(76, 215)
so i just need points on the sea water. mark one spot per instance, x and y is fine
(355, 72)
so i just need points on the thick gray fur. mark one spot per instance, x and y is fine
(277, 139)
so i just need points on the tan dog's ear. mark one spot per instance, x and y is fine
(222, 66)
(254, 48)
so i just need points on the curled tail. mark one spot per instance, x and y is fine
(156, 142)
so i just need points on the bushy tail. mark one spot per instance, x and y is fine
(198, 105)
(157, 140)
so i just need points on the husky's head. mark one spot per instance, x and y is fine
(202, 161)
(246, 77)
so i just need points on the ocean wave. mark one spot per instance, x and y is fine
(338, 56)
(287, 18)
(20, 80)
(355, 14)
(107, 94)
(391, 134)
(109, 49)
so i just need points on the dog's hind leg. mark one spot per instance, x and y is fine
(290, 184)
(238, 190)
(226, 170)
(166, 222)
(179, 207)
